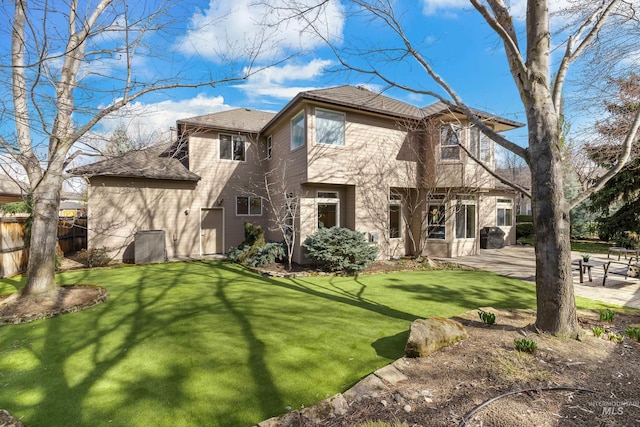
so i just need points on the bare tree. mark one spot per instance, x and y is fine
(529, 61)
(70, 65)
(284, 206)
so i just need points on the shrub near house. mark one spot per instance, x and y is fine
(340, 249)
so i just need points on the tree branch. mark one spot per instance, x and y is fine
(623, 159)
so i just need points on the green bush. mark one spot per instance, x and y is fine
(524, 218)
(254, 251)
(524, 230)
(267, 254)
(628, 239)
(253, 241)
(340, 249)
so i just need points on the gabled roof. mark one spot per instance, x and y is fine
(152, 163)
(360, 98)
(239, 119)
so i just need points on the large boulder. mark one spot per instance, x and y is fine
(430, 335)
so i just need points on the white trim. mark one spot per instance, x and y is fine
(269, 147)
(304, 128)
(337, 194)
(344, 126)
(244, 145)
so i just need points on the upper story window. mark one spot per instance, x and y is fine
(232, 147)
(329, 127)
(269, 146)
(480, 145)
(297, 130)
(450, 142)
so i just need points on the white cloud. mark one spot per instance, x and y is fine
(233, 29)
(272, 82)
(432, 7)
(153, 122)
(518, 8)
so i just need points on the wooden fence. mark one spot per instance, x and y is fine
(72, 237)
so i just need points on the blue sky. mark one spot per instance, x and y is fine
(213, 38)
(454, 38)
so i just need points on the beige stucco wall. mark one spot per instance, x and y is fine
(120, 207)
(378, 155)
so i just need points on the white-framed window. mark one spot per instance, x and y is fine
(327, 195)
(328, 207)
(269, 146)
(450, 142)
(329, 127)
(395, 221)
(232, 147)
(248, 206)
(436, 220)
(297, 130)
(504, 213)
(465, 218)
(395, 215)
(480, 145)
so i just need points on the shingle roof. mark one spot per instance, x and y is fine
(239, 119)
(363, 99)
(360, 98)
(153, 163)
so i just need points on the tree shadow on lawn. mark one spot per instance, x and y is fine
(80, 372)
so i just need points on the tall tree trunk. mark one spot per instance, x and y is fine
(556, 306)
(44, 230)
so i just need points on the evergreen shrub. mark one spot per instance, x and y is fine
(340, 249)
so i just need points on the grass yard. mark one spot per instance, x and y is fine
(210, 343)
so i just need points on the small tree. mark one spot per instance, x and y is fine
(284, 205)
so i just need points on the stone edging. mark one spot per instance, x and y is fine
(369, 387)
(101, 297)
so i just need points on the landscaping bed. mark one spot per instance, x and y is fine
(593, 381)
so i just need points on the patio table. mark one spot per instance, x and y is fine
(622, 251)
(587, 265)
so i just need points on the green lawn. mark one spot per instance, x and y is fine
(209, 343)
(584, 246)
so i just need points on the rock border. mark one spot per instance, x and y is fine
(101, 296)
(370, 387)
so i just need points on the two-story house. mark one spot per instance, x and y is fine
(349, 157)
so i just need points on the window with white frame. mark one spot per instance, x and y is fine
(480, 145)
(329, 127)
(248, 205)
(328, 205)
(297, 130)
(232, 147)
(450, 142)
(436, 220)
(395, 221)
(465, 218)
(395, 215)
(269, 146)
(504, 213)
(328, 195)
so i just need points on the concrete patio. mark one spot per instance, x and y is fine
(518, 262)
